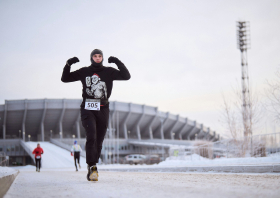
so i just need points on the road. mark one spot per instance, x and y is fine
(66, 183)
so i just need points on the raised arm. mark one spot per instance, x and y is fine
(123, 73)
(68, 76)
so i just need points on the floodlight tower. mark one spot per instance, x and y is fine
(243, 43)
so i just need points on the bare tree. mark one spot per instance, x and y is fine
(237, 120)
(273, 95)
(240, 122)
(230, 119)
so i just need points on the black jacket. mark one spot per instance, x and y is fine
(97, 80)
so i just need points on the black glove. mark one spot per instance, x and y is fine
(72, 61)
(113, 59)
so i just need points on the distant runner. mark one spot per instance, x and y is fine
(38, 152)
(76, 149)
(97, 83)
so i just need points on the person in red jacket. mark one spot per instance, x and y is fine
(38, 152)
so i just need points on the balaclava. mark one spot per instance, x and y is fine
(96, 51)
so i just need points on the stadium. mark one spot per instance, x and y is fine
(132, 128)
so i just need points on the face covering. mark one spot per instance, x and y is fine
(96, 51)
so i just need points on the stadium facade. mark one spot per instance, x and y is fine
(47, 119)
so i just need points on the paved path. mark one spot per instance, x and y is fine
(206, 168)
(65, 183)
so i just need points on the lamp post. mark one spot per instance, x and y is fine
(243, 43)
(128, 133)
(19, 131)
(60, 135)
(29, 136)
(51, 133)
(23, 136)
(173, 135)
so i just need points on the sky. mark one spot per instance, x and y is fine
(182, 54)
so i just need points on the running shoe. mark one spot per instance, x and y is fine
(92, 173)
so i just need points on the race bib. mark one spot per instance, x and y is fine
(38, 157)
(92, 104)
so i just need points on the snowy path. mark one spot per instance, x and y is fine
(126, 184)
(55, 157)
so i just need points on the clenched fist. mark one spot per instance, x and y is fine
(113, 59)
(72, 61)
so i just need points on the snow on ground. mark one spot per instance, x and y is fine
(60, 159)
(157, 185)
(24, 167)
(196, 160)
(58, 178)
(55, 157)
(5, 171)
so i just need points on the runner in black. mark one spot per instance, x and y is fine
(97, 83)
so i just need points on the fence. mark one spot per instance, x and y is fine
(254, 146)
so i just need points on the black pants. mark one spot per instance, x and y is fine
(38, 163)
(95, 124)
(76, 158)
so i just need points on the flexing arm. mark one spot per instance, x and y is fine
(68, 76)
(123, 73)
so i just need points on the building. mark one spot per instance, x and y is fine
(46, 119)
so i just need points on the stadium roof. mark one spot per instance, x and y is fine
(43, 118)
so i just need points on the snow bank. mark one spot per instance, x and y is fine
(198, 160)
(5, 171)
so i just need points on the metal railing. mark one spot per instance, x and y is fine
(27, 149)
(65, 146)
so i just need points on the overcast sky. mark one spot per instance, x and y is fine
(181, 54)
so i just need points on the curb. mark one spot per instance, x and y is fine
(6, 182)
(223, 169)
